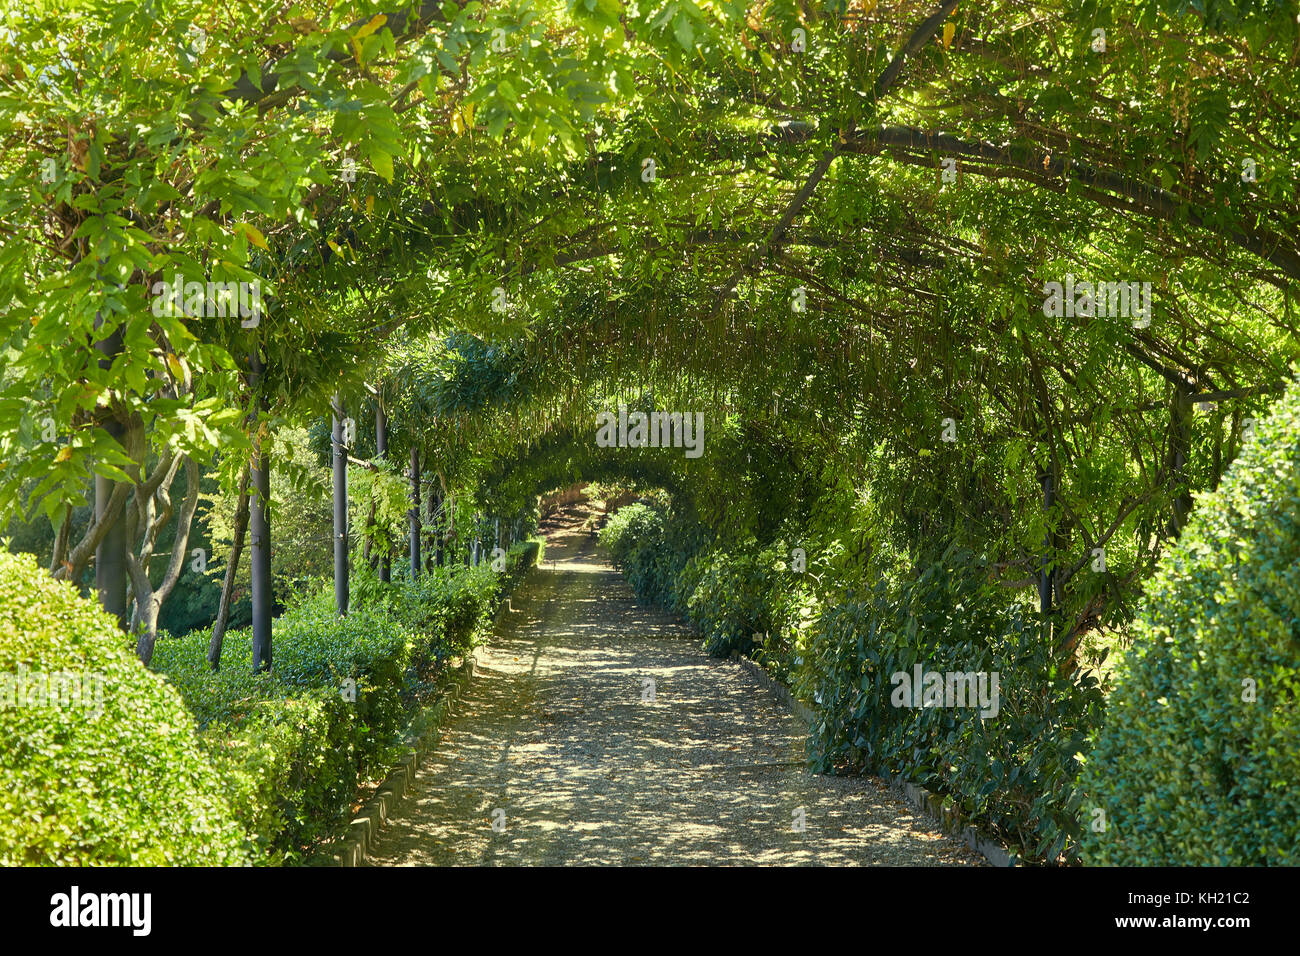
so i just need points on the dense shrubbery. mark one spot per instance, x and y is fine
(125, 784)
(308, 743)
(739, 598)
(1015, 771)
(652, 547)
(729, 597)
(1200, 756)
(293, 745)
(723, 593)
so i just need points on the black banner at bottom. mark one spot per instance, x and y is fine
(606, 905)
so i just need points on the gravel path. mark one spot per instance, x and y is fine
(553, 756)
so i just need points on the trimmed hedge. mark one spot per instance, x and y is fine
(128, 784)
(293, 746)
(309, 741)
(1189, 770)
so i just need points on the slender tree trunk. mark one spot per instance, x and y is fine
(75, 561)
(232, 567)
(1216, 465)
(60, 552)
(381, 451)
(259, 532)
(1048, 480)
(434, 523)
(340, 509)
(440, 537)
(448, 539)
(110, 555)
(148, 599)
(415, 513)
(1180, 451)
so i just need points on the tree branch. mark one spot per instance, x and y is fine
(183, 525)
(1043, 168)
(920, 36)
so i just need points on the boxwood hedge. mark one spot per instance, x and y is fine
(1200, 755)
(108, 769)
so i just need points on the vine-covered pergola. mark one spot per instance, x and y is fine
(832, 226)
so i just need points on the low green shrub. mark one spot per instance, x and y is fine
(453, 606)
(1198, 762)
(1013, 770)
(115, 775)
(652, 546)
(290, 769)
(293, 745)
(729, 597)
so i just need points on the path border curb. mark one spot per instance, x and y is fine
(423, 735)
(778, 689)
(933, 806)
(929, 804)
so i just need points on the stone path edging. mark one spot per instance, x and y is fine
(926, 802)
(423, 735)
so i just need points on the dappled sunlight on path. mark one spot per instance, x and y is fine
(554, 742)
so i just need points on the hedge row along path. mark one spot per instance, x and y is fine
(553, 731)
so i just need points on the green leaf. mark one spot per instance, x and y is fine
(382, 162)
(684, 31)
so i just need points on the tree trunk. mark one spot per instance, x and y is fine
(149, 600)
(415, 513)
(61, 543)
(381, 451)
(447, 542)
(259, 532)
(440, 537)
(340, 510)
(75, 562)
(434, 523)
(1047, 478)
(1180, 430)
(110, 555)
(232, 567)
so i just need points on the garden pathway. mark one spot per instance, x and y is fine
(554, 757)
